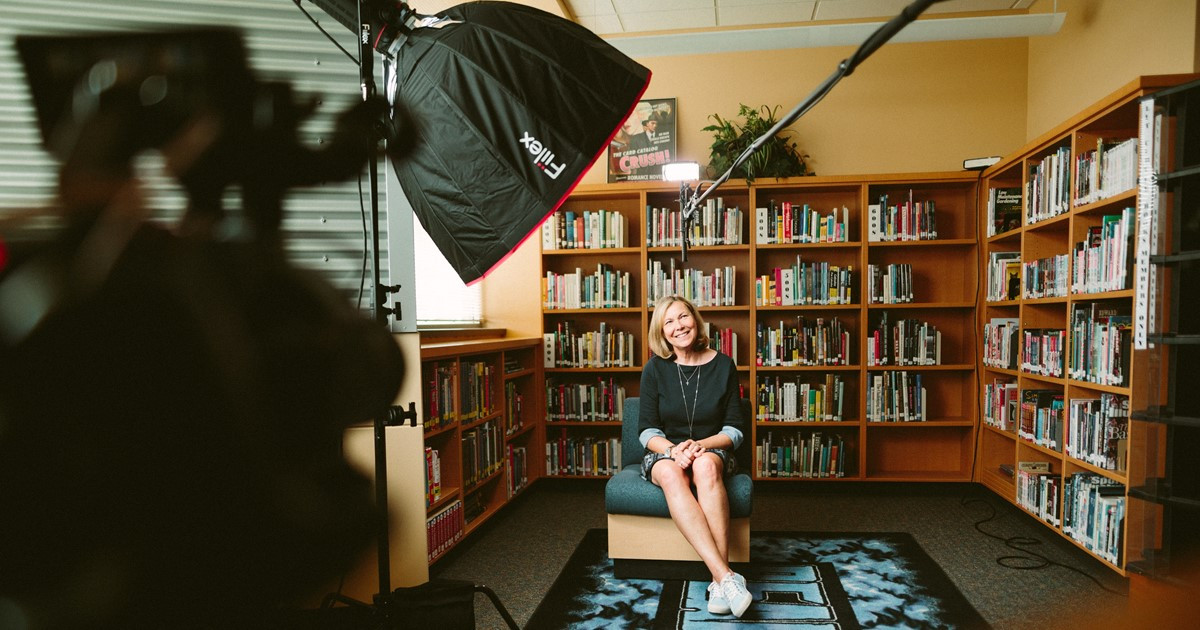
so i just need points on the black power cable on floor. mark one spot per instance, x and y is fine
(1019, 543)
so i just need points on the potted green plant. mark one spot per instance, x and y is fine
(777, 157)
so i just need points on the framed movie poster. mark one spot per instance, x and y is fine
(644, 142)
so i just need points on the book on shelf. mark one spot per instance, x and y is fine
(1094, 514)
(896, 396)
(1038, 490)
(590, 229)
(816, 456)
(904, 342)
(517, 469)
(601, 348)
(602, 400)
(433, 475)
(1109, 169)
(1042, 351)
(1000, 338)
(1097, 430)
(580, 456)
(794, 399)
(1045, 277)
(805, 284)
(1004, 209)
(443, 529)
(889, 284)
(1000, 404)
(1101, 336)
(1103, 261)
(1041, 420)
(786, 222)
(807, 341)
(907, 220)
(1003, 276)
(604, 288)
(1048, 187)
(715, 224)
(717, 288)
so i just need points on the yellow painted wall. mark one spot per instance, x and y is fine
(1103, 45)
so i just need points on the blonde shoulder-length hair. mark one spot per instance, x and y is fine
(658, 343)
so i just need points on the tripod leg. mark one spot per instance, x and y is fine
(512, 624)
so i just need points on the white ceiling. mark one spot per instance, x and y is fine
(611, 17)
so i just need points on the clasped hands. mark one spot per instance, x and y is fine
(686, 452)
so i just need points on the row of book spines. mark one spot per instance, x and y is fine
(1049, 187)
(1042, 351)
(664, 227)
(477, 394)
(433, 476)
(1003, 276)
(591, 229)
(1000, 343)
(718, 288)
(889, 284)
(1042, 423)
(1094, 514)
(787, 223)
(596, 349)
(579, 456)
(801, 284)
(1110, 169)
(1000, 400)
(605, 288)
(585, 403)
(517, 470)
(801, 402)
(1100, 351)
(514, 409)
(907, 342)
(1097, 431)
(1045, 277)
(443, 530)
(1038, 491)
(908, 221)
(482, 452)
(439, 405)
(897, 397)
(794, 346)
(818, 456)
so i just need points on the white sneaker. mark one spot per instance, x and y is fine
(734, 586)
(717, 604)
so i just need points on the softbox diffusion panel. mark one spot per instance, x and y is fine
(511, 105)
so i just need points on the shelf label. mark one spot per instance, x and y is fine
(1145, 276)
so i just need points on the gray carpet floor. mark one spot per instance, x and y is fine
(521, 550)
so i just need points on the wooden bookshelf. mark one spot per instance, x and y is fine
(1041, 237)
(482, 410)
(945, 277)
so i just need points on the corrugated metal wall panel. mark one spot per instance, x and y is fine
(323, 225)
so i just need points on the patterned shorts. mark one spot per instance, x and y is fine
(652, 457)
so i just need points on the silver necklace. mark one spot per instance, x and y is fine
(691, 415)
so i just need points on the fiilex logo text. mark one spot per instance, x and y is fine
(543, 157)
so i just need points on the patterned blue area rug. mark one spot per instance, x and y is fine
(814, 581)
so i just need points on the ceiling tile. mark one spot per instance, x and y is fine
(589, 8)
(858, 9)
(668, 20)
(601, 24)
(641, 6)
(763, 13)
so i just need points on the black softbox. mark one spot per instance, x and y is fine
(511, 106)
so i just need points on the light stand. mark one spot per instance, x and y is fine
(388, 606)
(690, 200)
